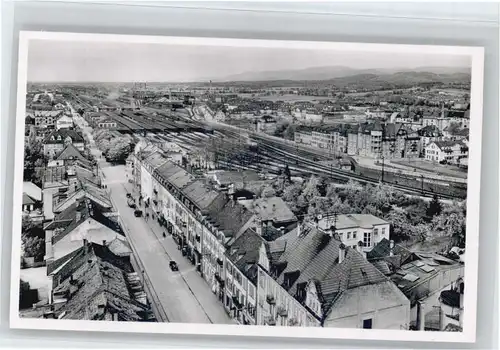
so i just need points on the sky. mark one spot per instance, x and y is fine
(78, 61)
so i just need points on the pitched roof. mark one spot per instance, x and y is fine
(85, 190)
(32, 190)
(200, 194)
(244, 252)
(119, 247)
(174, 174)
(417, 268)
(352, 220)
(87, 209)
(228, 177)
(98, 287)
(44, 113)
(383, 249)
(314, 256)
(27, 200)
(430, 131)
(448, 144)
(71, 152)
(229, 216)
(273, 208)
(63, 134)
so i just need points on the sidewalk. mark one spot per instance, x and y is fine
(198, 286)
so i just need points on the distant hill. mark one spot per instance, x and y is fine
(329, 73)
(314, 73)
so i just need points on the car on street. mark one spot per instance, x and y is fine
(129, 195)
(137, 213)
(173, 265)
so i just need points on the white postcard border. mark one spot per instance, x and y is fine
(473, 198)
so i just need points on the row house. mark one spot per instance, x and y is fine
(205, 224)
(46, 119)
(332, 138)
(303, 136)
(391, 140)
(312, 279)
(241, 276)
(273, 217)
(447, 117)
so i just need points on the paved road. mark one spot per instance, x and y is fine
(184, 295)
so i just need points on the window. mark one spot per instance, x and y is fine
(367, 324)
(348, 235)
(383, 231)
(367, 239)
(375, 231)
(354, 235)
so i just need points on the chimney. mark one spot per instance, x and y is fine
(104, 242)
(391, 247)
(85, 245)
(274, 207)
(421, 316)
(78, 214)
(442, 319)
(299, 230)
(342, 251)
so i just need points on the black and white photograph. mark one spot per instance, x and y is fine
(246, 187)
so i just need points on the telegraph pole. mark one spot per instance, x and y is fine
(383, 165)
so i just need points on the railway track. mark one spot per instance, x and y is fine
(308, 162)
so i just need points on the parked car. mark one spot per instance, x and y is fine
(138, 213)
(129, 195)
(173, 266)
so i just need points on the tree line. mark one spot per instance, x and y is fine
(412, 218)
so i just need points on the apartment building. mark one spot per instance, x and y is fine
(314, 280)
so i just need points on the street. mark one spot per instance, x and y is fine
(183, 294)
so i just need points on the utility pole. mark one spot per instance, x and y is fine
(383, 165)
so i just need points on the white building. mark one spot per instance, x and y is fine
(449, 151)
(64, 122)
(358, 231)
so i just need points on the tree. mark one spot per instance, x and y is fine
(399, 226)
(434, 208)
(119, 149)
(268, 192)
(452, 222)
(287, 173)
(291, 193)
(311, 188)
(32, 238)
(453, 128)
(280, 128)
(289, 133)
(33, 247)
